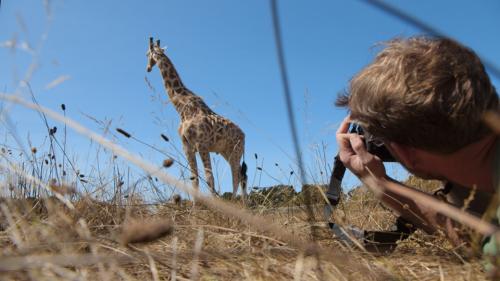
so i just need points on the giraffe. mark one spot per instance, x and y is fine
(201, 129)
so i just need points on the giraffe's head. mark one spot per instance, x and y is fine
(154, 53)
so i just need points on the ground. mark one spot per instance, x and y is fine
(44, 240)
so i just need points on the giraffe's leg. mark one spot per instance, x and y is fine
(205, 158)
(235, 171)
(191, 157)
(233, 155)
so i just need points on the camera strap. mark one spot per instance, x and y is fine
(379, 240)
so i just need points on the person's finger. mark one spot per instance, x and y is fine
(344, 126)
(358, 146)
(345, 149)
(344, 142)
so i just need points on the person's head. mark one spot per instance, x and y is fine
(421, 92)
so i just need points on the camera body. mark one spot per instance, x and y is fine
(371, 146)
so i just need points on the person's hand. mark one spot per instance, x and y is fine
(353, 153)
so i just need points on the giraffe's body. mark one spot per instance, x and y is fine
(201, 129)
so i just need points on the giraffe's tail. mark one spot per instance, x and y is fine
(243, 175)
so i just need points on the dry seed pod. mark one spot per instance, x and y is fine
(168, 162)
(177, 199)
(165, 138)
(63, 189)
(140, 231)
(52, 131)
(123, 132)
(52, 183)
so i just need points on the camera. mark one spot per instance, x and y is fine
(376, 148)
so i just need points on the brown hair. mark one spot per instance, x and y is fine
(428, 93)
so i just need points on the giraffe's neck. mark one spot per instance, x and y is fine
(172, 80)
(185, 102)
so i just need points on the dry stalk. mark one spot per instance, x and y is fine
(85, 233)
(469, 198)
(14, 231)
(236, 231)
(153, 268)
(441, 274)
(196, 256)
(299, 268)
(41, 261)
(174, 259)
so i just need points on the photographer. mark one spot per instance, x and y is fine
(424, 99)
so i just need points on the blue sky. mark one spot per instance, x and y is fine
(224, 51)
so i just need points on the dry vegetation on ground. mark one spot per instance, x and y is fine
(44, 240)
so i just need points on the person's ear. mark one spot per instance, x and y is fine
(404, 154)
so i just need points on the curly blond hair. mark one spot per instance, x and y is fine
(428, 93)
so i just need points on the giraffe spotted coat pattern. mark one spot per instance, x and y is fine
(201, 129)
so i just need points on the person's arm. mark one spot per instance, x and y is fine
(409, 207)
(404, 200)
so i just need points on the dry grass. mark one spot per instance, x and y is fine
(55, 239)
(44, 240)
(94, 239)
